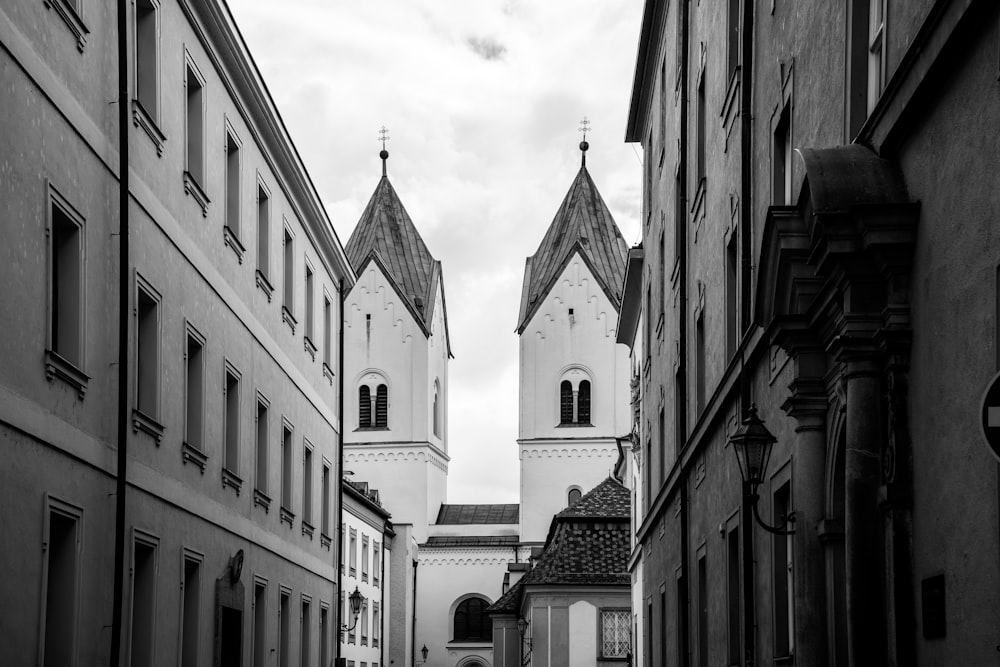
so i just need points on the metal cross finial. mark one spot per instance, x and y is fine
(383, 136)
(584, 127)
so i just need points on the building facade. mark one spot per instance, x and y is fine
(232, 303)
(809, 197)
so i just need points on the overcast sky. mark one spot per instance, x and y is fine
(483, 100)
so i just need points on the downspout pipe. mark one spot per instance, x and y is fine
(413, 620)
(681, 385)
(340, 468)
(123, 319)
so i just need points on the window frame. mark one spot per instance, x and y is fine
(261, 496)
(195, 184)
(308, 451)
(457, 608)
(53, 504)
(288, 275)
(143, 420)
(232, 203)
(194, 452)
(151, 541)
(623, 613)
(264, 233)
(259, 584)
(309, 306)
(71, 13)
(230, 473)
(189, 555)
(148, 119)
(287, 472)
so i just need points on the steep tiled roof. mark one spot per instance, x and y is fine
(509, 602)
(606, 500)
(477, 514)
(472, 541)
(386, 232)
(582, 223)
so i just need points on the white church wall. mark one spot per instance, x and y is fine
(437, 362)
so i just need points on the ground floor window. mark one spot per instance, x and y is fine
(615, 633)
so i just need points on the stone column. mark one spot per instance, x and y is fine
(863, 539)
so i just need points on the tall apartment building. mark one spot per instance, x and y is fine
(233, 308)
(818, 239)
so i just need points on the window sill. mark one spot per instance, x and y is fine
(469, 643)
(364, 577)
(787, 659)
(328, 373)
(307, 529)
(142, 119)
(233, 241)
(288, 318)
(143, 422)
(72, 21)
(575, 425)
(57, 366)
(309, 347)
(371, 428)
(264, 284)
(352, 572)
(325, 541)
(262, 499)
(192, 188)
(191, 454)
(729, 105)
(287, 516)
(232, 480)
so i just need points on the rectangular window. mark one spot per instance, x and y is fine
(66, 281)
(232, 420)
(286, 467)
(876, 51)
(190, 588)
(680, 623)
(663, 270)
(663, 106)
(304, 627)
(325, 517)
(194, 389)
(648, 317)
(309, 333)
(143, 607)
(327, 331)
(263, 231)
(700, 360)
(376, 563)
(284, 628)
(61, 568)
(680, 219)
(287, 270)
(364, 622)
(194, 90)
(352, 552)
(376, 625)
(261, 445)
(781, 546)
(364, 558)
(733, 34)
(307, 487)
(733, 564)
(662, 434)
(233, 183)
(260, 653)
(324, 635)
(781, 161)
(732, 314)
(702, 613)
(147, 350)
(680, 436)
(663, 624)
(615, 633)
(702, 125)
(146, 58)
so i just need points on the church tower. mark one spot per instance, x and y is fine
(573, 376)
(396, 358)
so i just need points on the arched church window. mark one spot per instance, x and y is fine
(382, 406)
(471, 622)
(583, 403)
(574, 495)
(364, 407)
(565, 402)
(437, 408)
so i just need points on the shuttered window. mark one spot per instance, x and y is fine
(382, 406)
(364, 407)
(565, 402)
(583, 403)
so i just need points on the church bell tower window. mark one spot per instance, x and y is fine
(364, 407)
(382, 406)
(566, 402)
(583, 403)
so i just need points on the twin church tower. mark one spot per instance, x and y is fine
(573, 377)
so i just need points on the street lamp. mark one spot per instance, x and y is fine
(752, 444)
(356, 599)
(522, 627)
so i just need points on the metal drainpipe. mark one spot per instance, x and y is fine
(123, 292)
(684, 610)
(340, 468)
(381, 598)
(413, 621)
(685, 603)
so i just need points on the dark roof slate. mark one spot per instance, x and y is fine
(386, 232)
(477, 514)
(472, 541)
(583, 222)
(609, 499)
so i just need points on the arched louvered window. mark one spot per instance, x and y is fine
(437, 409)
(566, 402)
(471, 622)
(364, 407)
(382, 406)
(573, 496)
(583, 403)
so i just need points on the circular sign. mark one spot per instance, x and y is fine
(990, 415)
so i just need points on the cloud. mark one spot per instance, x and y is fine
(487, 48)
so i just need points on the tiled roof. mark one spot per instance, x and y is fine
(472, 541)
(386, 232)
(608, 499)
(583, 222)
(476, 514)
(509, 602)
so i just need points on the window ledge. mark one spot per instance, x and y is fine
(262, 499)
(307, 529)
(371, 428)
(364, 641)
(142, 119)
(352, 571)
(191, 187)
(143, 422)
(233, 241)
(328, 373)
(264, 284)
(786, 659)
(231, 479)
(310, 347)
(72, 21)
(57, 366)
(287, 516)
(191, 454)
(575, 425)
(469, 643)
(729, 105)
(288, 318)
(364, 577)
(325, 541)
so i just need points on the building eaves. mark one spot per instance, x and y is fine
(472, 541)
(650, 38)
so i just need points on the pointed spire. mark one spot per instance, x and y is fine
(383, 136)
(584, 127)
